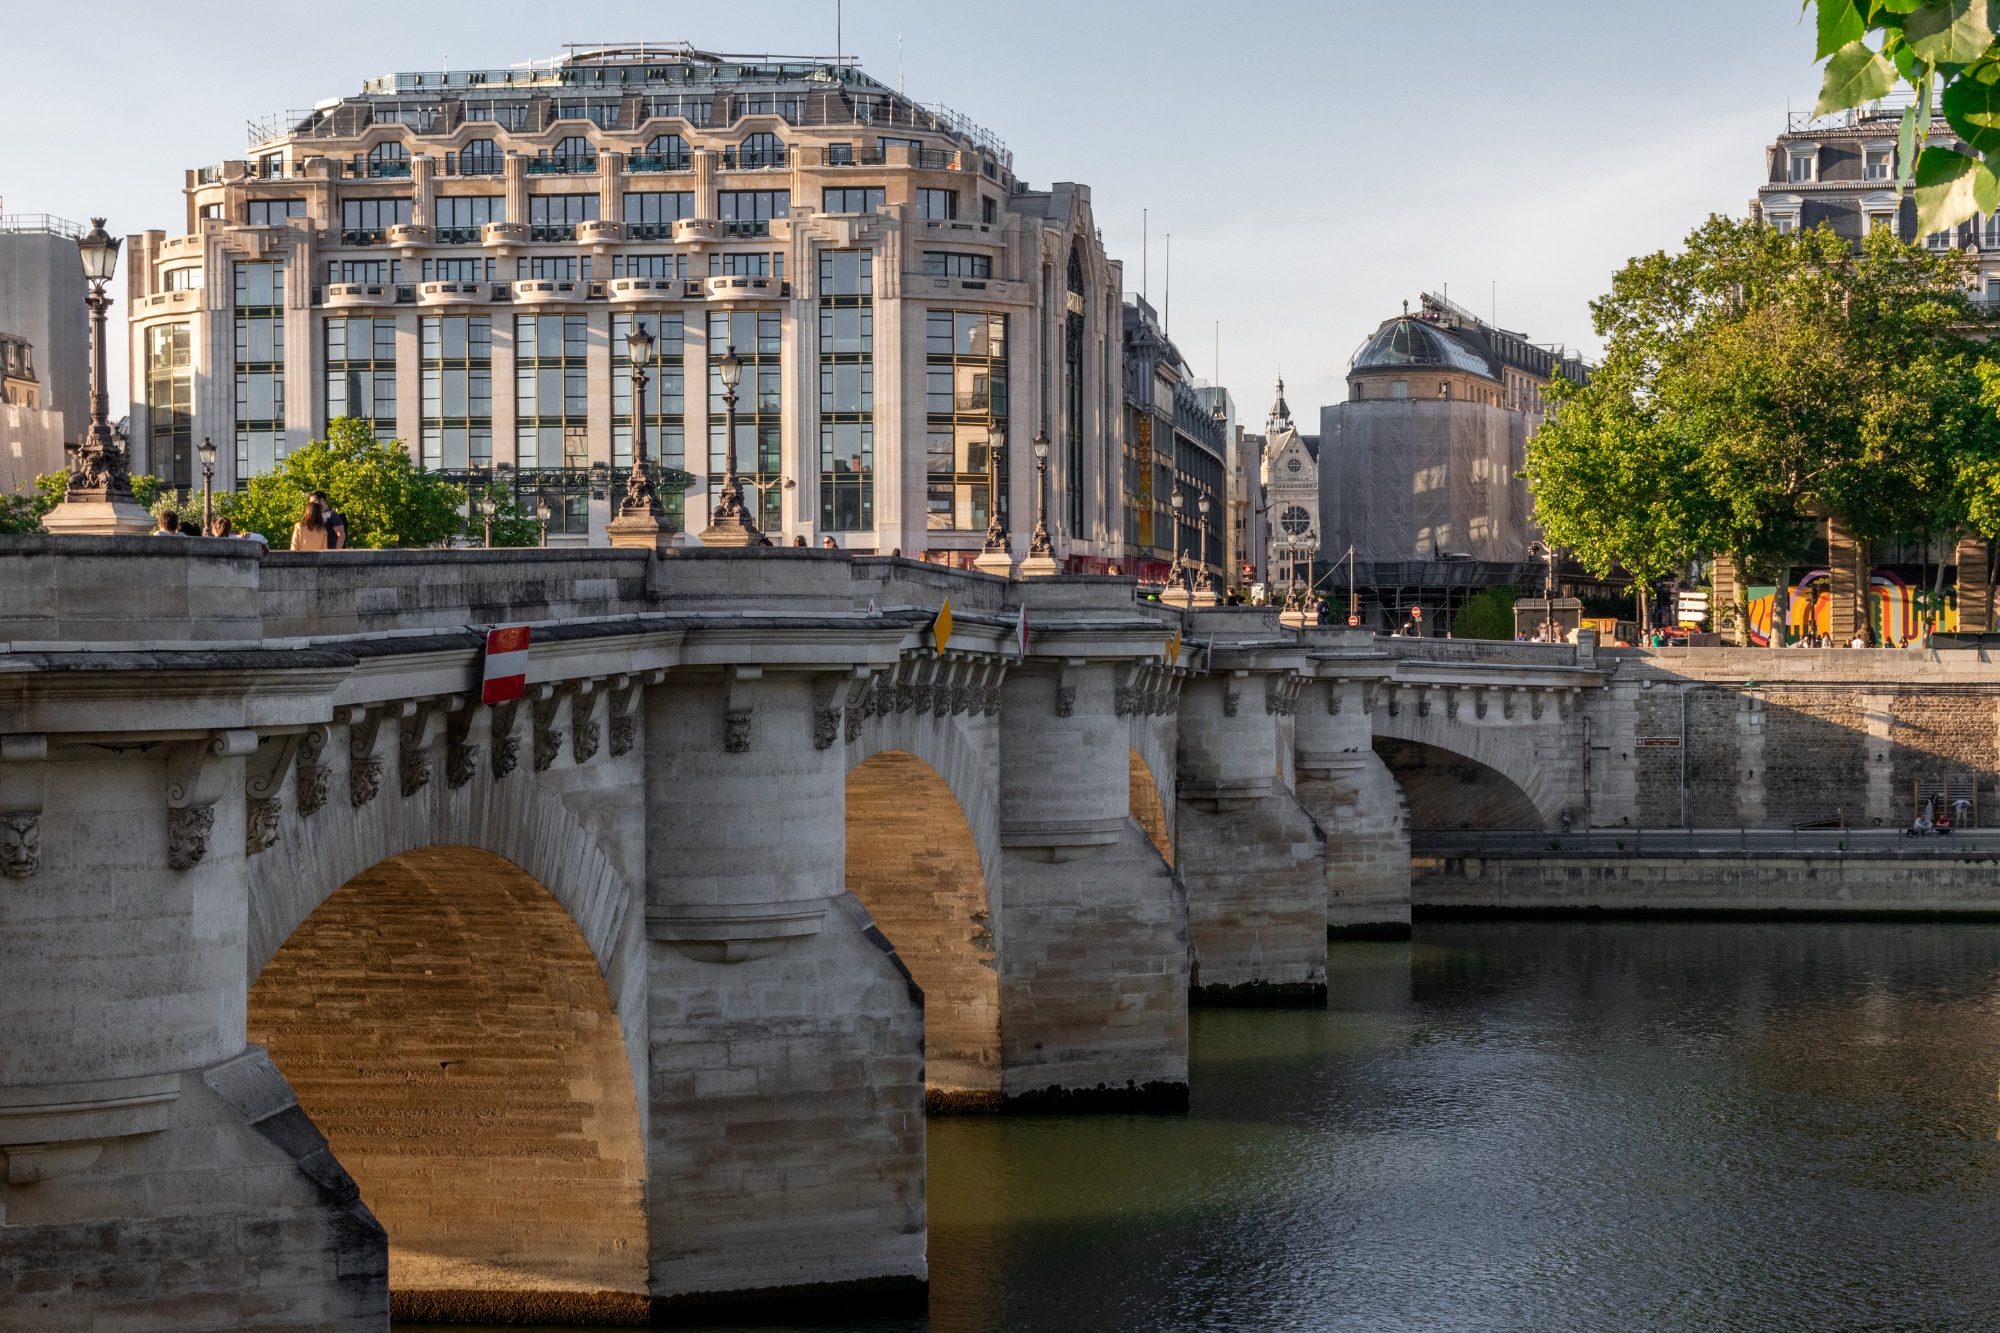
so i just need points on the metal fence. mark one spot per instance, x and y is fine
(1960, 844)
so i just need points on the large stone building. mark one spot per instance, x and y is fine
(1840, 171)
(1420, 469)
(41, 300)
(1290, 467)
(1175, 446)
(31, 434)
(458, 258)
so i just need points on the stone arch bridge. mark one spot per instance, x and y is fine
(327, 984)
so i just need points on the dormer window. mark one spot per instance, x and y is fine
(1804, 160)
(1878, 161)
(1879, 210)
(1781, 211)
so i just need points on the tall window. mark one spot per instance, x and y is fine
(389, 159)
(170, 404)
(740, 264)
(361, 371)
(1073, 394)
(460, 216)
(457, 429)
(939, 205)
(667, 152)
(559, 268)
(551, 391)
(757, 338)
(376, 271)
(965, 392)
(753, 205)
(480, 157)
(666, 398)
(846, 390)
(758, 152)
(575, 150)
(260, 366)
(1878, 162)
(458, 270)
(649, 266)
(553, 217)
(273, 212)
(1802, 161)
(651, 215)
(367, 221)
(852, 199)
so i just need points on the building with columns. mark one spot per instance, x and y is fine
(458, 258)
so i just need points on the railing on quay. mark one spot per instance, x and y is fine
(1633, 843)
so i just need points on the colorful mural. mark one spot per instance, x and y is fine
(1898, 611)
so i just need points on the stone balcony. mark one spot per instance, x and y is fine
(403, 236)
(503, 236)
(451, 293)
(547, 291)
(620, 290)
(350, 295)
(599, 233)
(185, 300)
(732, 288)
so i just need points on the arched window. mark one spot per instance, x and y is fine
(390, 150)
(574, 147)
(480, 157)
(761, 150)
(1295, 521)
(671, 151)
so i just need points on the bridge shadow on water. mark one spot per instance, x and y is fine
(1524, 1125)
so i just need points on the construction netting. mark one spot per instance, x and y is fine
(1421, 479)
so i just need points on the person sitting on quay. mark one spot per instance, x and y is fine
(170, 524)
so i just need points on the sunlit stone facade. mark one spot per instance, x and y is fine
(458, 256)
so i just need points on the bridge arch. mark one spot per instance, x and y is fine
(1448, 789)
(913, 862)
(1525, 751)
(445, 1024)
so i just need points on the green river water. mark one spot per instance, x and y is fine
(1544, 1126)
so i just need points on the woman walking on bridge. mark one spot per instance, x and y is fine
(311, 532)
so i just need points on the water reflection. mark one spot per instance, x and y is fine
(1534, 1126)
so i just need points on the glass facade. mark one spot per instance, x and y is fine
(361, 372)
(170, 403)
(846, 390)
(551, 391)
(757, 336)
(666, 399)
(457, 367)
(259, 310)
(965, 392)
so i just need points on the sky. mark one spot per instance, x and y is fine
(1315, 164)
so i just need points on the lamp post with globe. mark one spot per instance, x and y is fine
(99, 499)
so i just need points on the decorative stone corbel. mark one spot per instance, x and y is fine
(1510, 703)
(543, 701)
(584, 732)
(314, 776)
(1451, 696)
(1536, 703)
(1395, 699)
(1370, 696)
(1482, 700)
(461, 753)
(951, 694)
(196, 773)
(622, 694)
(1334, 690)
(1232, 692)
(364, 766)
(739, 701)
(263, 785)
(23, 789)
(1069, 673)
(829, 695)
(506, 745)
(860, 701)
(419, 731)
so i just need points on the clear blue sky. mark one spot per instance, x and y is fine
(1315, 163)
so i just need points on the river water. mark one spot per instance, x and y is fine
(1525, 1126)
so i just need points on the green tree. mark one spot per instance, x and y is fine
(1756, 382)
(23, 511)
(388, 501)
(1946, 53)
(1487, 614)
(514, 521)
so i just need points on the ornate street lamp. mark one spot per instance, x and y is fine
(997, 540)
(543, 514)
(99, 499)
(731, 523)
(486, 507)
(1202, 583)
(206, 449)
(1040, 544)
(641, 500)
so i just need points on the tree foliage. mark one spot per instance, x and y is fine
(1487, 614)
(1947, 52)
(1756, 382)
(387, 500)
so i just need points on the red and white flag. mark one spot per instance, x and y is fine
(506, 665)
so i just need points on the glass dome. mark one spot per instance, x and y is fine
(1412, 342)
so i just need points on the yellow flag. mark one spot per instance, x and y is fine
(941, 627)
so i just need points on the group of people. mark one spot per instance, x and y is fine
(171, 524)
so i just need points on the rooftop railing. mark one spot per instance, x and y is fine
(41, 222)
